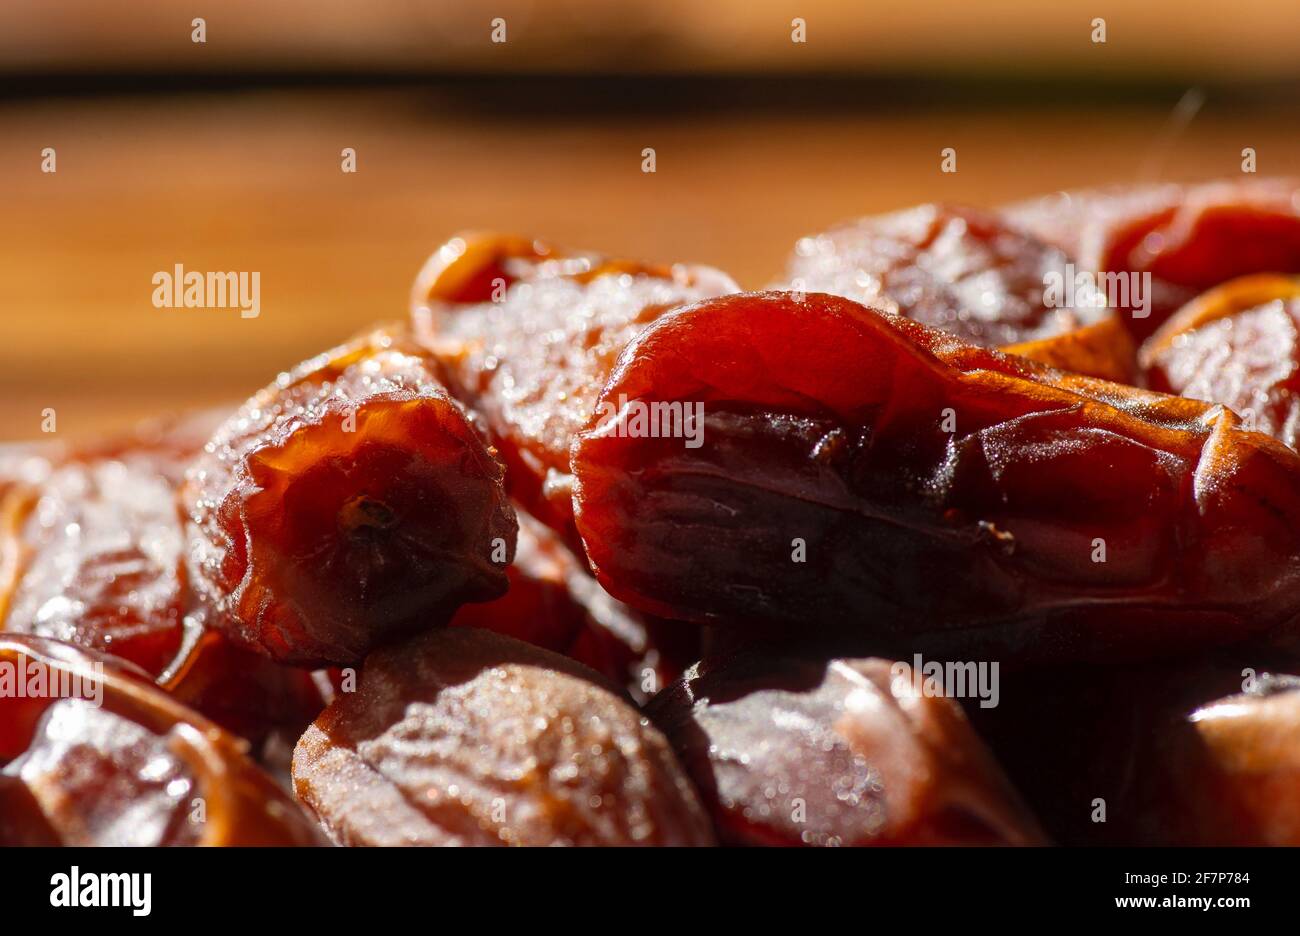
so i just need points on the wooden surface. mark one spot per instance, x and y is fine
(252, 182)
(1190, 40)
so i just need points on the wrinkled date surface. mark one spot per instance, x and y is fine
(1197, 753)
(792, 752)
(467, 737)
(1187, 237)
(349, 501)
(957, 269)
(555, 604)
(1239, 345)
(527, 334)
(862, 470)
(92, 754)
(102, 553)
(97, 547)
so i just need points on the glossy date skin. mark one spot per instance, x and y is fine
(862, 471)
(526, 334)
(97, 547)
(1200, 752)
(964, 271)
(1189, 238)
(115, 761)
(1237, 344)
(349, 502)
(465, 737)
(792, 751)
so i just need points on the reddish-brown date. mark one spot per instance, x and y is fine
(527, 333)
(1201, 753)
(957, 269)
(1187, 237)
(555, 604)
(349, 502)
(102, 553)
(1237, 344)
(97, 549)
(92, 754)
(786, 751)
(863, 471)
(465, 737)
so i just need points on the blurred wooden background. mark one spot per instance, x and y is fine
(216, 175)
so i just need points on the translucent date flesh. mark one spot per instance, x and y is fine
(464, 737)
(792, 752)
(102, 550)
(97, 542)
(92, 754)
(1187, 237)
(957, 269)
(555, 604)
(1201, 753)
(349, 502)
(862, 471)
(1239, 345)
(527, 334)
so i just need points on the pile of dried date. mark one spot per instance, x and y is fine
(975, 528)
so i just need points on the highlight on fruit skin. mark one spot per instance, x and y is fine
(526, 333)
(793, 750)
(1237, 344)
(824, 431)
(967, 272)
(465, 737)
(92, 552)
(91, 753)
(350, 501)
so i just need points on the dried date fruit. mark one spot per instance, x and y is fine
(1104, 350)
(787, 751)
(1200, 753)
(242, 691)
(349, 502)
(555, 604)
(956, 269)
(860, 470)
(467, 737)
(103, 552)
(93, 754)
(526, 334)
(1239, 345)
(1187, 237)
(97, 548)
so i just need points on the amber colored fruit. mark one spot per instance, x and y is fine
(786, 751)
(526, 334)
(862, 471)
(96, 558)
(349, 502)
(1187, 237)
(93, 754)
(242, 691)
(465, 737)
(1104, 350)
(555, 604)
(957, 269)
(1237, 344)
(103, 551)
(1201, 753)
